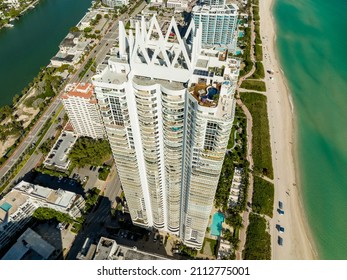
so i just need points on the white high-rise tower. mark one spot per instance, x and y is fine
(168, 107)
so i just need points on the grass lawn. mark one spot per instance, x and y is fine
(209, 247)
(256, 104)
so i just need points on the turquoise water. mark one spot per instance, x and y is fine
(33, 40)
(216, 226)
(312, 43)
(6, 206)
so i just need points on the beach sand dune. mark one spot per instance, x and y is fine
(297, 239)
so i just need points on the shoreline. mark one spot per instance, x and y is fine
(298, 238)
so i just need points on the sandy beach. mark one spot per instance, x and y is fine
(297, 239)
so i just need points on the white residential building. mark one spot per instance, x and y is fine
(177, 4)
(115, 3)
(168, 107)
(82, 108)
(213, 2)
(17, 207)
(219, 24)
(71, 50)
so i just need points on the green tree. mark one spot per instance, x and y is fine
(88, 151)
(74, 29)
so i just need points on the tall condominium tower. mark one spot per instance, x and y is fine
(218, 24)
(168, 107)
(82, 108)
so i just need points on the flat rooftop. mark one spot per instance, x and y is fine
(57, 157)
(109, 249)
(82, 90)
(30, 246)
(146, 81)
(58, 197)
(216, 9)
(10, 203)
(109, 77)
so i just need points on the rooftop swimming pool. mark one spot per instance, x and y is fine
(211, 92)
(6, 206)
(216, 226)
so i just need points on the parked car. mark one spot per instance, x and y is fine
(281, 212)
(280, 205)
(175, 251)
(280, 241)
(280, 228)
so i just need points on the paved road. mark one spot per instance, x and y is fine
(30, 138)
(36, 156)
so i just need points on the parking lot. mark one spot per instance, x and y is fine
(88, 176)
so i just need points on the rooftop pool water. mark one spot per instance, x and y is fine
(216, 226)
(211, 92)
(6, 206)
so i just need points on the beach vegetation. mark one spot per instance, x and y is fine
(259, 72)
(246, 43)
(258, 52)
(263, 197)
(258, 240)
(261, 148)
(254, 85)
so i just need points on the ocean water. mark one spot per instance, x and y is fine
(312, 44)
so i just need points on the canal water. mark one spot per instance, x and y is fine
(33, 40)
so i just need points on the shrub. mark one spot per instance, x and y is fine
(258, 241)
(263, 197)
(256, 104)
(259, 72)
(254, 85)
